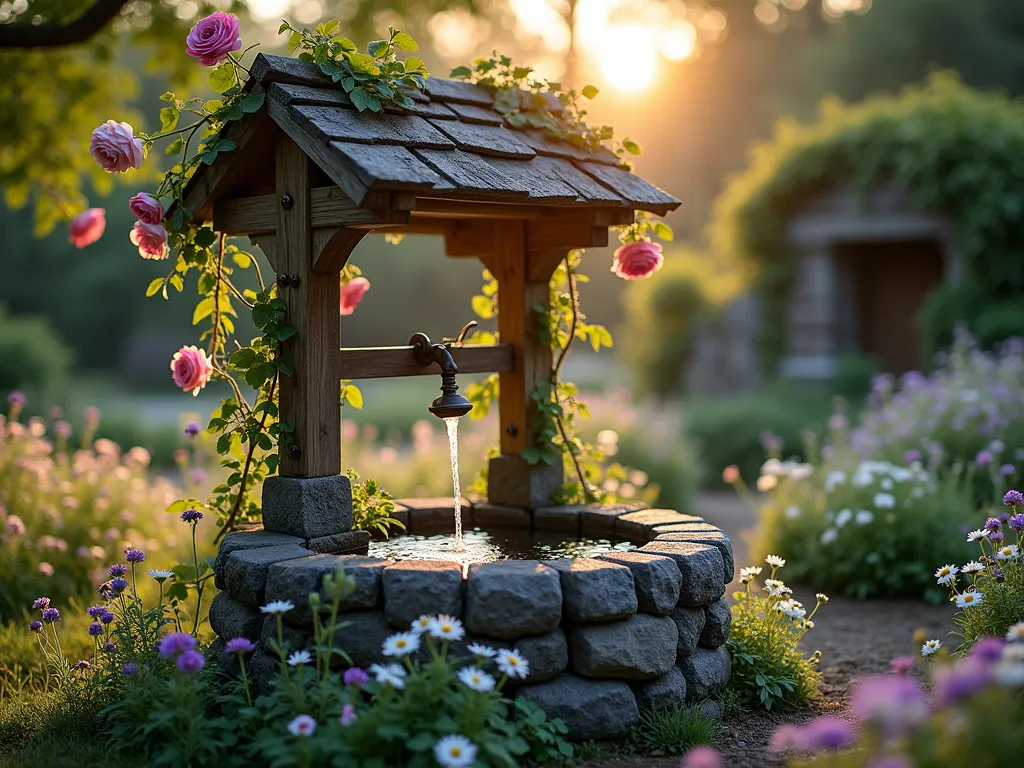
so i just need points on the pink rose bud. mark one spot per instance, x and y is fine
(151, 240)
(191, 369)
(113, 145)
(86, 228)
(212, 38)
(352, 293)
(635, 261)
(147, 208)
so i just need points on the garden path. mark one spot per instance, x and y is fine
(856, 638)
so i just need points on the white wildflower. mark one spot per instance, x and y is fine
(299, 657)
(844, 516)
(481, 651)
(793, 512)
(477, 679)
(884, 500)
(775, 561)
(930, 647)
(792, 608)
(972, 567)
(864, 517)
(160, 576)
(946, 575)
(834, 478)
(421, 625)
(1009, 674)
(829, 535)
(278, 607)
(455, 751)
(821, 597)
(766, 483)
(969, 599)
(981, 533)
(1007, 552)
(1016, 632)
(751, 571)
(401, 644)
(302, 725)
(447, 628)
(390, 674)
(512, 663)
(886, 484)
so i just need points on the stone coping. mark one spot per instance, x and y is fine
(622, 632)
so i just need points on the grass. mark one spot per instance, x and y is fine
(672, 730)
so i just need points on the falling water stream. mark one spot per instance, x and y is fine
(453, 451)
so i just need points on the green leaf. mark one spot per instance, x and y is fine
(177, 282)
(285, 26)
(285, 332)
(352, 395)
(405, 42)
(327, 27)
(175, 147)
(168, 119)
(631, 146)
(362, 100)
(363, 63)
(589, 91)
(154, 286)
(222, 78)
(205, 237)
(459, 73)
(167, 96)
(243, 358)
(242, 259)
(294, 41)
(663, 231)
(252, 103)
(210, 157)
(377, 48)
(226, 145)
(483, 306)
(203, 310)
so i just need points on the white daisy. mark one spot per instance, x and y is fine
(792, 608)
(829, 535)
(969, 599)
(477, 679)
(884, 500)
(160, 576)
(864, 517)
(391, 674)
(446, 628)
(976, 535)
(843, 517)
(302, 725)
(807, 624)
(754, 570)
(512, 663)
(401, 644)
(278, 607)
(298, 658)
(421, 625)
(946, 575)
(886, 484)
(481, 651)
(930, 647)
(821, 597)
(775, 561)
(1016, 632)
(455, 751)
(1008, 552)
(972, 567)
(776, 588)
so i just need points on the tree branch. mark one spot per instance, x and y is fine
(99, 14)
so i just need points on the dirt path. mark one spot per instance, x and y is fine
(856, 638)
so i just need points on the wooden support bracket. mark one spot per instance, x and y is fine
(388, 362)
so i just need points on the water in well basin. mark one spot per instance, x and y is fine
(492, 546)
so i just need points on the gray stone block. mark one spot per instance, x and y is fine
(706, 672)
(307, 507)
(295, 638)
(598, 520)
(697, 524)
(250, 539)
(711, 708)
(700, 565)
(514, 482)
(361, 636)
(488, 516)
(565, 518)
(348, 543)
(226, 662)
(656, 578)
(548, 654)
(296, 580)
(231, 618)
(641, 647)
(690, 623)
(590, 709)
(663, 692)
(262, 669)
(639, 526)
(429, 516)
(512, 599)
(717, 623)
(416, 587)
(245, 570)
(595, 590)
(715, 538)
(366, 572)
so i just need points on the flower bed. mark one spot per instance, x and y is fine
(607, 637)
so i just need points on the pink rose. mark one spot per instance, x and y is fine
(634, 261)
(212, 38)
(352, 293)
(191, 369)
(114, 146)
(151, 240)
(147, 208)
(86, 228)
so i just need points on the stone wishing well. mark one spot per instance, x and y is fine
(311, 176)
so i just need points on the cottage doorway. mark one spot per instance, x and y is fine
(887, 283)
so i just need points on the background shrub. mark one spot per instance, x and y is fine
(32, 356)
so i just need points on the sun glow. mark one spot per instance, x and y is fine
(634, 69)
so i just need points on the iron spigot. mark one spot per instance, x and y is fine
(449, 404)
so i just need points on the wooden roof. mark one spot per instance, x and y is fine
(451, 144)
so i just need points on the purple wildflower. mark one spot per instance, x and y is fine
(191, 662)
(1004, 517)
(901, 665)
(40, 603)
(984, 458)
(893, 703)
(16, 399)
(828, 733)
(997, 574)
(996, 537)
(83, 664)
(95, 629)
(1007, 469)
(992, 524)
(951, 684)
(95, 611)
(106, 617)
(129, 669)
(1013, 499)
(117, 569)
(911, 456)
(191, 429)
(698, 757)
(50, 615)
(134, 555)
(788, 737)
(988, 650)
(239, 645)
(176, 643)
(118, 585)
(1017, 522)
(355, 676)
(109, 647)
(348, 715)
(35, 626)
(191, 516)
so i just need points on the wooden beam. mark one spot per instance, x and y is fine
(330, 207)
(388, 362)
(332, 246)
(309, 398)
(569, 230)
(467, 209)
(540, 265)
(471, 238)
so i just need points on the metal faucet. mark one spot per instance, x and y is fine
(449, 404)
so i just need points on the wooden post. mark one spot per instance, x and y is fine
(309, 398)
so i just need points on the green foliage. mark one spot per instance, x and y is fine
(673, 730)
(954, 150)
(372, 506)
(370, 79)
(32, 355)
(767, 625)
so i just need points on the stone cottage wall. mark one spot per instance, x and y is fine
(606, 637)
